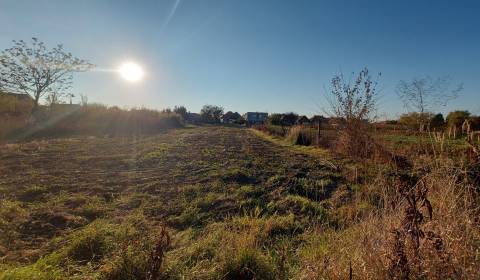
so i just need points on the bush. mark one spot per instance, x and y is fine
(437, 121)
(93, 119)
(100, 120)
(356, 142)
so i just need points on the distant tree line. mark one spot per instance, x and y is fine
(437, 121)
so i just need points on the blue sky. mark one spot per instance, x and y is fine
(247, 55)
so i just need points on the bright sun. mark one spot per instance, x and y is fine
(131, 72)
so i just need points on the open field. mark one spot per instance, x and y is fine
(187, 179)
(236, 203)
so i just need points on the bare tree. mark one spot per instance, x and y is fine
(422, 93)
(354, 102)
(33, 69)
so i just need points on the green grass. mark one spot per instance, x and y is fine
(91, 207)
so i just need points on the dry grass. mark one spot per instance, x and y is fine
(410, 216)
(236, 206)
(300, 135)
(379, 248)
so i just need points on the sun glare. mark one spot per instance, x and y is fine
(131, 72)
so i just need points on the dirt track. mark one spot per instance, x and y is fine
(179, 157)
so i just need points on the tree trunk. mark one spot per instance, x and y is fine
(35, 101)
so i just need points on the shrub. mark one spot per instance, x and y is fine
(356, 142)
(102, 120)
(437, 121)
(92, 119)
(354, 102)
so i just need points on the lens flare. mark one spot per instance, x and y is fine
(131, 72)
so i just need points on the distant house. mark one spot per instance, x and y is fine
(231, 117)
(317, 119)
(18, 96)
(303, 120)
(289, 119)
(193, 118)
(256, 117)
